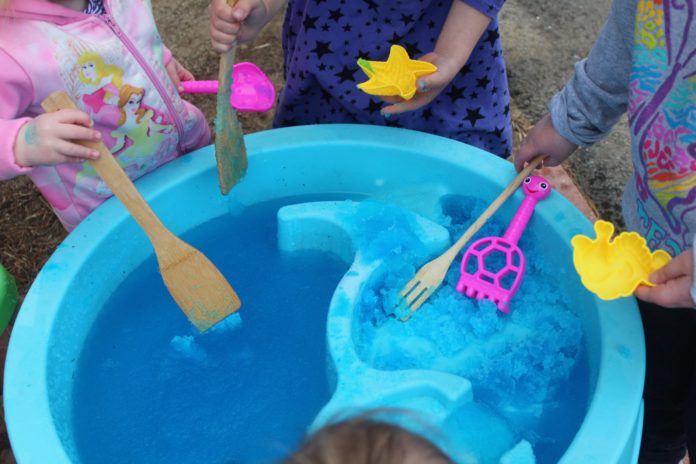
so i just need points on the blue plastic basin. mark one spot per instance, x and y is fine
(324, 162)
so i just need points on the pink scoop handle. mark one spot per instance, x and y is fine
(493, 267)
(200, 86)
(252, 90)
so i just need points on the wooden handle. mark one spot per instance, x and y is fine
(493, 207)
(226, 62)
(112, 173)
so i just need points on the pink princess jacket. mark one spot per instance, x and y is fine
(113, 66)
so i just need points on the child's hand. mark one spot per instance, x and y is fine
(428, 87)
(672, 283)
(543, 139)
(241, 23)
(177, 73)
(49, 139)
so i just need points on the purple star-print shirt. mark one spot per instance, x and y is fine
(323, 39)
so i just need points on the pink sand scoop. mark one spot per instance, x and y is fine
(252, 90)
(483, 275)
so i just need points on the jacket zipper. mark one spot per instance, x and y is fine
(108, 19)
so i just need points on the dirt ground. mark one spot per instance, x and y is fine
(542, 39)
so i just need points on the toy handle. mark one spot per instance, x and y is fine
(200, 86)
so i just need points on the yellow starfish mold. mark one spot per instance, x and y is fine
(612, 269)
(396, 76)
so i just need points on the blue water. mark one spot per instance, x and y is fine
(149, 388)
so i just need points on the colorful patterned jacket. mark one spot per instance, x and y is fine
(643, 63)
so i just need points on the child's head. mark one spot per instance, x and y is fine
(362, 440)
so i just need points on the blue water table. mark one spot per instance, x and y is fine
(328, 223)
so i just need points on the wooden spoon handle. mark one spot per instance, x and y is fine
(113, 175)
(230, 149)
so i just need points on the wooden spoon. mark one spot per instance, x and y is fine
(194, 282)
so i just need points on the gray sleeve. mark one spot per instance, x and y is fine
(594, 99)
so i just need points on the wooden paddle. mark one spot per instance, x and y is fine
(230, 151)
(194, 282)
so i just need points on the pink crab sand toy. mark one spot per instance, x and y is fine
(252, 90)
(479, 278)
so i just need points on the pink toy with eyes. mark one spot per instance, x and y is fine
(493, 267)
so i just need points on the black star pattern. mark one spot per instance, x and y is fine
(371, 5)
(483, 82)
(492, 36)
(473, 95)
(326, 96)
(347, 28)
(395, 39)
(336, 15)
(363, 55)
(412, 49)
(427, 114)
(373, 106)
(406, 19)
(325, 28)
(506, 110)
(473, 115)
(310, 22)
(498, 132)
(466, 69)
(321, 48)
(456, 93)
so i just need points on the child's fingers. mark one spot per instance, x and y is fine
(73, 152)
(184, 74)
(226, 27)
(404, 106)
(77, 132)
(676, 268)
(220, 11)
(73, 116)
(221, 41)
(673, 294)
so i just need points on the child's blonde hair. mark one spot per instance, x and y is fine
(363, 440)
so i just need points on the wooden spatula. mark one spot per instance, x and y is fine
(230, 151)
(194, 282)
